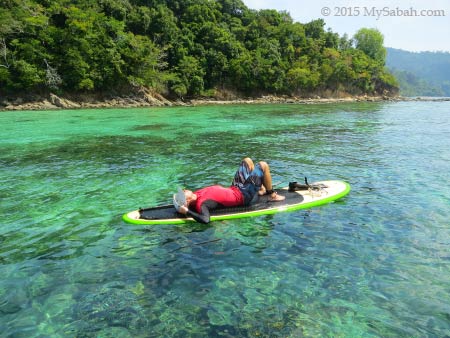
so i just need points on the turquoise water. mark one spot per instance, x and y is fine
(374, 264)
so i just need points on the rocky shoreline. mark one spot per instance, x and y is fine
(148, 99)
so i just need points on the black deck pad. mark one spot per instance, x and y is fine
(169, 212)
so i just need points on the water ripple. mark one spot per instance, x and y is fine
(373, 264)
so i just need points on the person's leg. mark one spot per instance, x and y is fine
(253, 179)
(267, 182)
(250, 163)
(244, 171)
(267, 177)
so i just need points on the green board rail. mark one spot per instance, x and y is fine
(302, 200)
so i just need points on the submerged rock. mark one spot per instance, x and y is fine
(111, 306)
(13, 300)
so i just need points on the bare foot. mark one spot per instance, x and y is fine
(276, 198)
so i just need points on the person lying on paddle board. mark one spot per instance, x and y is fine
(249, 180)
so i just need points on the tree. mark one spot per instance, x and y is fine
(303, 76)
(189, 78)
(370, 41)
(181, 47)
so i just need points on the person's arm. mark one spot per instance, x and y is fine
(204, 216)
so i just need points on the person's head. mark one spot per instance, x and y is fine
(183, 198)
(190, 197)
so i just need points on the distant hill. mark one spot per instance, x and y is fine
(424, 73)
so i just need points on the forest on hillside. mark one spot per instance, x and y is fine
(181, 48)
(420, 73)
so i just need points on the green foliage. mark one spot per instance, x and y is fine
(301, 77)
(371, 41)
(27, 75)
(189, 79)
(184, 48)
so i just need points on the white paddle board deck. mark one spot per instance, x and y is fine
(321, 193)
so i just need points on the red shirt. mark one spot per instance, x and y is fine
(228, 197)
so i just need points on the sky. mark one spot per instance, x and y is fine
(412, 25)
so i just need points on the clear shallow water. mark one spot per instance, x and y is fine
(375, 264)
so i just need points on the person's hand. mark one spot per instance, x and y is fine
(183, 210)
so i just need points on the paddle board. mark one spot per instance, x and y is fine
(321, 193)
